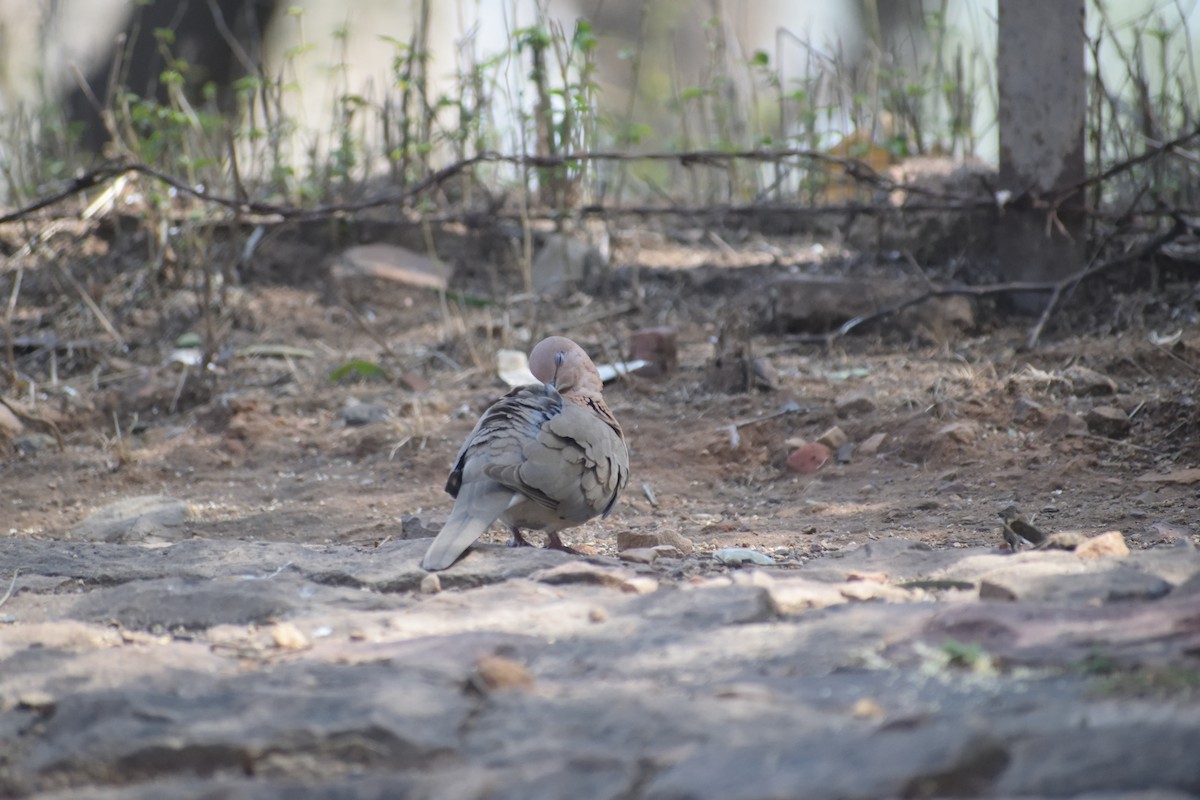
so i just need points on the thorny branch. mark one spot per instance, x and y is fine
(1060, 195)
(854, 168)
(11, 585)
(1055, 288)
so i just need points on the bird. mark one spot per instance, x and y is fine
(545, 456)
(1017, 530)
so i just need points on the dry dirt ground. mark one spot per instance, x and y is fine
(260, 450)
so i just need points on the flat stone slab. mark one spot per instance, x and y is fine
(272, 670)
(148, 518)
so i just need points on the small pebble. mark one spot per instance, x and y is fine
(736, 556)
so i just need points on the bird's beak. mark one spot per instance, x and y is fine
(558, 362)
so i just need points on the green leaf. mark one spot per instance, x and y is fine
(470, 301)
(963, 654)
(358, 368)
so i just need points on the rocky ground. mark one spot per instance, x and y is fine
(213, 586)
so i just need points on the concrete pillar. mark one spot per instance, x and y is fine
(1043, 100)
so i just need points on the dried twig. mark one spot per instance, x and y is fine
(1119, 443)
(1056, 287)
(1137, 254)
(1060, 195)
(852, 167)
(11, 584)
(29, 415)
(92, 305)
(1187, 364)
(735, 439)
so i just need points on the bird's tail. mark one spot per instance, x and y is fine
(475, 509)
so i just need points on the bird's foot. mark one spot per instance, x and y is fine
(553, 542)
(518, 540)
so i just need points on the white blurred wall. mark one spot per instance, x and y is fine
(40, 41)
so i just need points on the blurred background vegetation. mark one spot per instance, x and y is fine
(313, 102)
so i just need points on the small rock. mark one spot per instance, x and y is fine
(833, 438)
(597, 615)
(286, 636)
(1062, 540)
(763, 374)
(42, 702)
(497, 673)
(421, 526)
(639, 555)
(869, 577)
(388, 262)
(10, 424)
(866, 708)
(845, 453)
(853, 404)
(1087, 382)
(1108, 421)
(737, 556)
(629, 540)
(797, 595)
(412, 382)
(668, 551)
(871, 446)
(1166, 533)
(808, 458)
(751, 577)
(1065, 424)
(990, 590)
(431, 584)
(1025, 409)
(962, 432)
(356, 414)
(32, 443)
(1106, 545)
(656, 346)
(874, 591)
(579, 572)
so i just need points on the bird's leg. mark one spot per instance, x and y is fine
(553, 542)
(517, 539)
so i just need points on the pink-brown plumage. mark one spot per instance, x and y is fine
(543, 457)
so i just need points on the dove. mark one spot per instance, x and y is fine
(546, 457)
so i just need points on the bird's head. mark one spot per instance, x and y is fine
(559, 362)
